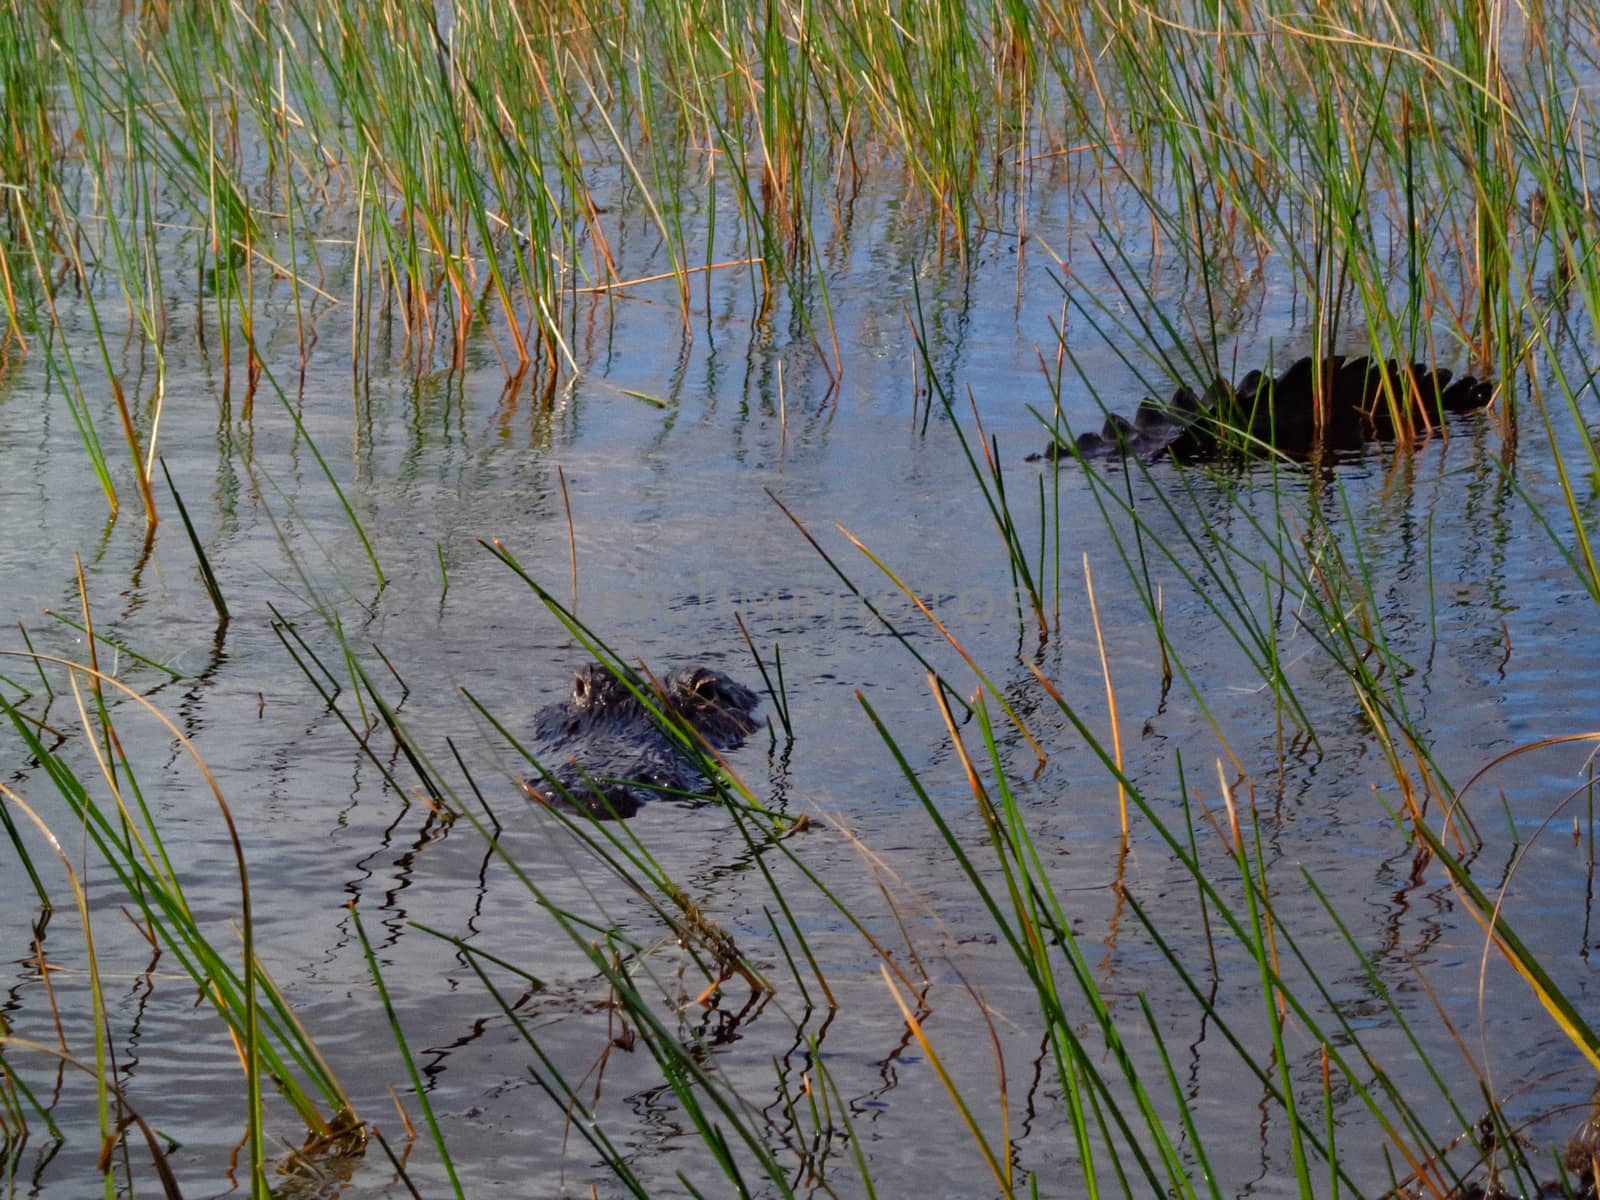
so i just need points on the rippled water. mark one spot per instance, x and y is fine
(676, 532)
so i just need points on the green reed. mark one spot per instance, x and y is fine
(475, 196)
(1118, 1113)
(127, 841)
(420, 1092)
(474, 169)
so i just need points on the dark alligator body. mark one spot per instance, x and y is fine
(607, 753)
(1362, 400)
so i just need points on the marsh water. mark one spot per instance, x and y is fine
(674, 441)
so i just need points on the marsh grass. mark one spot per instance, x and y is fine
(1119, 1087)
(475, 203)
(1119, 1102)
(122, 829)
(471, 173)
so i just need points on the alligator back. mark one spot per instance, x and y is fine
(1333, 403)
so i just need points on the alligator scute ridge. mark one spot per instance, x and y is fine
(608, 754)
(1281, 411)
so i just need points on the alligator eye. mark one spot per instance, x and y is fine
(580, 688)
(705, 684)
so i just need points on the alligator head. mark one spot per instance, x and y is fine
(605, 750)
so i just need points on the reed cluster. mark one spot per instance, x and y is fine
(430, 188)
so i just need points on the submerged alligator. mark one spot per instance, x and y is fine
(1362, 400)
(607, 753)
